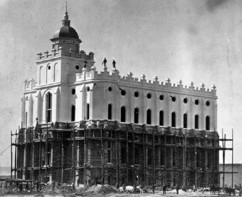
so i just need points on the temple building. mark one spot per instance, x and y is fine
(80, 125)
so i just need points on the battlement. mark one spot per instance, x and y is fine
(142, 82)
(61, 52)
(29, 84)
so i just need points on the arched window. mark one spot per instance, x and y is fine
(173, 119)
(123, 114)
(196, 122)
(136, 115)
(73, 112)
(41, 75)
(48, 107)
(184, 120)
(109, 111)
(148, 120)
(88, 111)
(207, 123)
(161, 118)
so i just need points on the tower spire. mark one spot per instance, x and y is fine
(66, 21)
(66, 8)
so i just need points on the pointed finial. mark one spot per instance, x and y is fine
(66, 7)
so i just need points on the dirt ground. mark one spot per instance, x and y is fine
(108, 191)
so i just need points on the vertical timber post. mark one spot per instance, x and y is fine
(62, 157)
(102, 155)
(153, 157)
(73, 157)
(127, 156)
(11, 157)
(40, 153)
(232, 158)
(15, 152)
(117, 157)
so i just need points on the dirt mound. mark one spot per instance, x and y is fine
(99, 189)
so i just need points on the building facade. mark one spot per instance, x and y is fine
(80, 125)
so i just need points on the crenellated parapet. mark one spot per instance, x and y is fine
(142, 82)
(63, 52)
(29, 84)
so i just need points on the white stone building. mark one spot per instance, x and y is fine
(69, 88)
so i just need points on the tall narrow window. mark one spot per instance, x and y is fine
(48, 107)
(88, 111)
(136, 115)
(148, 120)
(123, 114)
(196, 122)
(184, 120)
(109, 111)
(26, 119)
(73, 112)
(161, 118)
(207, 123)
(173, 119)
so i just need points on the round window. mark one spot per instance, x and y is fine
(173, 98)
(185, 100)
(136, 94)
(196, 101)
(149, 95)
(109, 89)
(207, 103)
(123, 92)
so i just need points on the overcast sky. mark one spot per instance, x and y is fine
(188, 40)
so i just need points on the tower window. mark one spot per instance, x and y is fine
(173, 119)
(77, 67)
(161, 97)
(73, 112)
(109, 111)
(196, 122)
(123, 114)
(148, 120)
(48, 107)
(184, 120)
(73, 91)
(110, 89)
(207, 123)
(207, 103)
(185, 100)
(49, 67)
(136, 115)
(161, 118)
